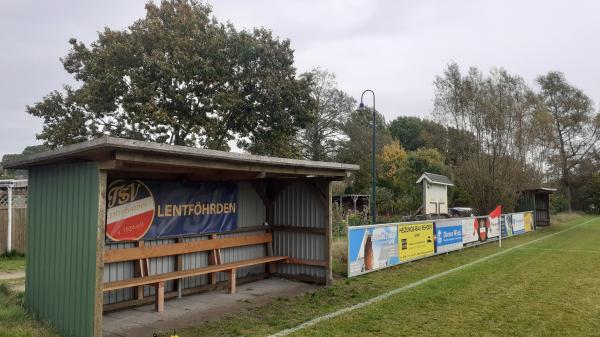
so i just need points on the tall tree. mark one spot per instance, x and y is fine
(179, 76)
(497, 111)
(332, 107)
(576, 125)
(414, 133)
(356, 147)
(399, 170)
(408, 131)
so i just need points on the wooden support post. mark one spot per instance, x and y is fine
(214, 258)
(327, 218)
(272, 266)
(139, 291)
(268, 202)
(99, 270)
(159, 305)
(178, 267)
(232, 277)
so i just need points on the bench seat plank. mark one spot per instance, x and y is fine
(146, 252)
(138, 281)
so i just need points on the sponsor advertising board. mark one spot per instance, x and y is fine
(528, 221)
(149, 209)
(415, 240)
(380, 246)
(470, 230)
(371, 249)
(507, 225)
(476, 230)
(518, 220)
(494, 220)
(448, 235)
(483, 228)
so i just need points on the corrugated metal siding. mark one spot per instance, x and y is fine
(525, 202)
(118, 271)
(251, 213)
(61, 252)
(298, 206)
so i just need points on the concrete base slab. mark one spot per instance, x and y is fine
(195, 309)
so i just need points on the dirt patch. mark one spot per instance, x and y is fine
(8, 275)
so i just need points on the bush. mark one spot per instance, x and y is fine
(558, 203)
(357, 219)
(12, 254)
(338, 224)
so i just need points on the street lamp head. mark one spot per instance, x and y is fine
(361, 105)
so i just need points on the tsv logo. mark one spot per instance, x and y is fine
(130, 210)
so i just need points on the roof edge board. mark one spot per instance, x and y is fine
(128, 145)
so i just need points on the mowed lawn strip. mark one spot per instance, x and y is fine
(12, 263)
(14, 319)
(532, 291)
(283, 314)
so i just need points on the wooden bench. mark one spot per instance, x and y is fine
(214, 245)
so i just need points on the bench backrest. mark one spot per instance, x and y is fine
(137, 253)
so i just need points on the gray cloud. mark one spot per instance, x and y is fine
(393, 47)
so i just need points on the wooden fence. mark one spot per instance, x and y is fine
(19, 221)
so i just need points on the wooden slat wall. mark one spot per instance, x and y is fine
(19, 229)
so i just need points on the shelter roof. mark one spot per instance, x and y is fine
(127, 155)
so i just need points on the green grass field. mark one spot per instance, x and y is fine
(15, 321)
(11, 264)
(547, 288)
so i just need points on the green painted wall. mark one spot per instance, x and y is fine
(61, 246)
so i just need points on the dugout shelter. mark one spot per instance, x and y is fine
(114, 223)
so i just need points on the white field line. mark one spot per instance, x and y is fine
(562, 250)
(393, 292)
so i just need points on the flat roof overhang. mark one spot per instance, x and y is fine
(130, 158)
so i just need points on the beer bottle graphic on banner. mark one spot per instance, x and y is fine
(369, 253)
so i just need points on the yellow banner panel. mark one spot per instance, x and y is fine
(415, 240)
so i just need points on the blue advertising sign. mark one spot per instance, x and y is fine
(506, 225)
(151, 209)
(448, 235)
(371, 249)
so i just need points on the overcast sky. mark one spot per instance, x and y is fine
(395, 48)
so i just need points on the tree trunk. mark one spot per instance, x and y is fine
(567, 188)
(563, 159)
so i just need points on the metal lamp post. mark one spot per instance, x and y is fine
(373, 170)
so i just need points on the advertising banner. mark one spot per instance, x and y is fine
(518, 223)
(371, 249)
(507, 225)
(448, 235)
(415, 240)
(528, 221)
(476, 230)
(470, 230)
(380, 246)
(494, 219)
(148, 209)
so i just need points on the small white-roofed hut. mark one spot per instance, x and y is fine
(435, 193)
